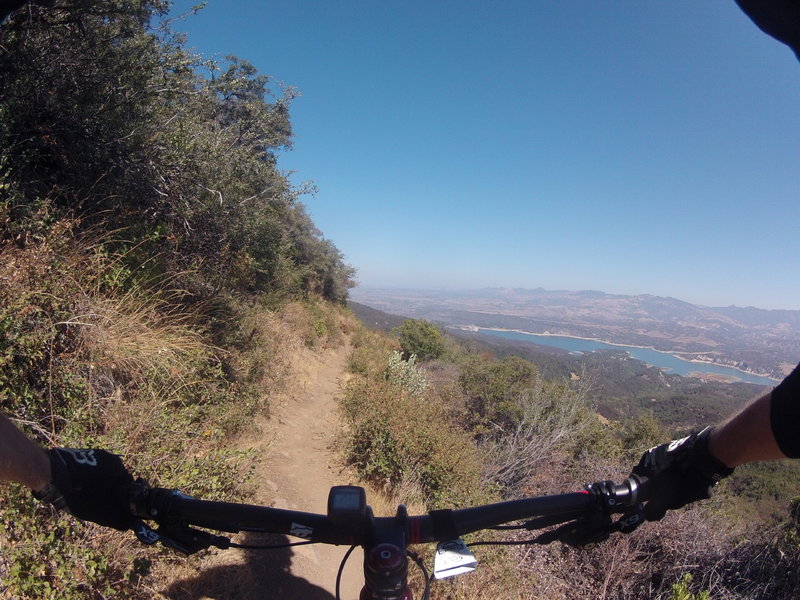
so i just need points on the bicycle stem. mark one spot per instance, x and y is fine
(385, 560)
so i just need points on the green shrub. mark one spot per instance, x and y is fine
(141, 135)
(493, 389)
(421, 339)
(399, 434)
(641, 433)
(405, 375)
(53, 557)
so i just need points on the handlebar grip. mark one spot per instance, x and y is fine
(146, 502)
(634, 490)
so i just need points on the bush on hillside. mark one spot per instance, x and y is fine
(550, 421)
(494, 390)
(400, 435)
(421, 339)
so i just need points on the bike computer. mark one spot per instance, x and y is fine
(347, 504)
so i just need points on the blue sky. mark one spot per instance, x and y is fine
(624, 146)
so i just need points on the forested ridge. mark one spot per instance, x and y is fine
(159, 273)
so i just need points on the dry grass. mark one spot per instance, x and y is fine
(104, 356)
(137, 333)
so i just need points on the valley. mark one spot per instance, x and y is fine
(757, 341)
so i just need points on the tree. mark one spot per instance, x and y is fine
(493, 390)
(106, 115)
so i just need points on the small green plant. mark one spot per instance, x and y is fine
(50, 557)
(406, 375)
(682, 590)
(791, 530)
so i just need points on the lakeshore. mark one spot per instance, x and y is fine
(666, 361)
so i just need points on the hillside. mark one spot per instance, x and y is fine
(760, 341)
(374, 318)
(410, 419)
(158, 273)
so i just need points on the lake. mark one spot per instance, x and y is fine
(663, 360)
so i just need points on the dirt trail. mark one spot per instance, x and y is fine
(300, 466)
(297, 469)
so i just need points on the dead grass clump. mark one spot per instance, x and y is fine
(137, 334)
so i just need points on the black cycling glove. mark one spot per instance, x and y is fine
(90, 484)
(679, 472)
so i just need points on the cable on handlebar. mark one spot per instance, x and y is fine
(584, 529)
(341, 570)
(268, 546)
(415, 557)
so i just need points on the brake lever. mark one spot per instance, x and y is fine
(185, 540)
(631, 519)
(588, 531)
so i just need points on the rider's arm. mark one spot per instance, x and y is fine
(767, 429)
(90, 484)
(685, 470)
(21, 459)
(747, 436)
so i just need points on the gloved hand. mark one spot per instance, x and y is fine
(90, 484)
(679, 472)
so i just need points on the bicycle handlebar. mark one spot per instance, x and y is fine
(586, 514)
(167, 506)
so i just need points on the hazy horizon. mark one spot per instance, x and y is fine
(456, 290)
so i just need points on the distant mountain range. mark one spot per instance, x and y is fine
(766, 342)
